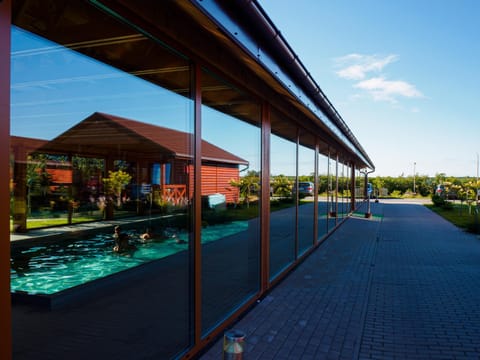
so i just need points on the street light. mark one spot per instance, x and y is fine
(365, 172)
(414, 164)
(478, 191)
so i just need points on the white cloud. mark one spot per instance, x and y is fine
(385, 90)
(367, 71)
(357, 66)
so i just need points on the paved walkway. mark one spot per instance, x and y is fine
(403, 285)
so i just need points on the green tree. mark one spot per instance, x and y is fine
(378, 184)
(309, 178)
(424, 185)
(440, 178)
(247, 185)
(282, 186)
(87, 168)
(322, 184)
(37, 178)
(115, 183)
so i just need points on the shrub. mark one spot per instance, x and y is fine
(396, 194)
(438, 200)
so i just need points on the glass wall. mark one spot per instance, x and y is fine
(97, 132)
(105, 115)
(341, 188)
(332, 192)
(231, 174)
(347, 189)
(360, 189)
(306, 180)
(323, 198)
(344, 190)
(350, 189)
(361, 181)
(282, 204)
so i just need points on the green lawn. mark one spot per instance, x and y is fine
(48, 222)
(460, 215)
(242, 212)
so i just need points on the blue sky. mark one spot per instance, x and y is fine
(404, 75)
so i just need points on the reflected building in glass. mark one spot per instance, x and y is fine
(190, 125)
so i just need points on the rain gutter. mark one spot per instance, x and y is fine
(248, 24)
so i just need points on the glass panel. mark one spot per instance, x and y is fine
(361, 188)
(282, 204)
(354, 173)
(231, 158)
(95, 129)
(351, 188)
(323, 191)
(332, 193)
(346, 190)
(342, 190)
(306, 178)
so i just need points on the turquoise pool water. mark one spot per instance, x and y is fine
(55, 267)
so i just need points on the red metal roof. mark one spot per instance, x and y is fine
(28, 144)
(104, 134)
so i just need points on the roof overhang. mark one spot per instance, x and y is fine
(220, 35)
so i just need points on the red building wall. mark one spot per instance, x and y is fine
(216, 179)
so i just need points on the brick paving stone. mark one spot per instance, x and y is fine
(406, 287)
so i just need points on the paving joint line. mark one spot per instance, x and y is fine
(356, 350)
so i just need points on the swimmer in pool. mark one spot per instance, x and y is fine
(147, 235)
(121, 241)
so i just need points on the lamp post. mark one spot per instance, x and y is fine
(414, 191)
(365, 172)
(476, 187)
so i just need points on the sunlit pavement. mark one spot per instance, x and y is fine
(404, 284)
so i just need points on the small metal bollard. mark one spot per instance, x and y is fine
(233, 345)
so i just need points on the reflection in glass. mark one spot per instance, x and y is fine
(359, 188)
(230, 200)
(346, 189)
(323, 190)
(340, 183)
(343, 191)
(332, 192)
(306, 172)
(350, 190)
(282, 204)
(90, 141)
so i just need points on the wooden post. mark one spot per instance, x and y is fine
(265, 202)
(5, 300)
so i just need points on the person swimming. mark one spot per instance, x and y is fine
(121, 241)
(148, 235)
